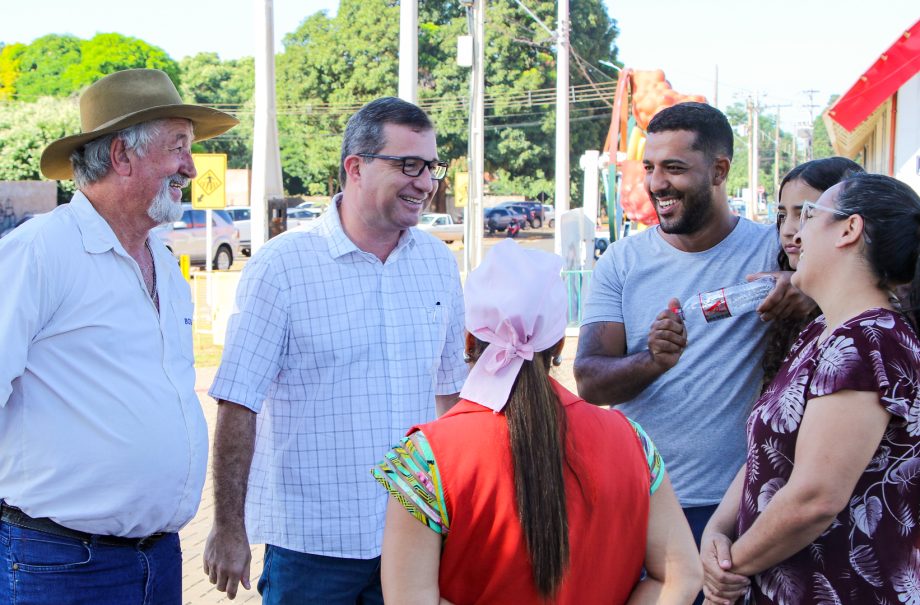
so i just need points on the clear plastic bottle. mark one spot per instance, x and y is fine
(707, 307)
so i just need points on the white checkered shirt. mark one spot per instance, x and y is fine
(341, 353)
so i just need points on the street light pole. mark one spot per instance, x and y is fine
(562, 120)
(266, 158)
(472, 247)
(408, 50)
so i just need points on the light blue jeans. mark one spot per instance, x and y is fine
(38, 568)
(295, 578)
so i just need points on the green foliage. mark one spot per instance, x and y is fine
(820, 141)
(108, 53)
(59, 66)
(330, 66)
(26, 129)
(10, 58)
(228, 86)
(738, 176)
(42, 67)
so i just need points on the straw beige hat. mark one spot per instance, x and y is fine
(123, 99)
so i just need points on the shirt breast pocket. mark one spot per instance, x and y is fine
(181, 322)
(426, 341)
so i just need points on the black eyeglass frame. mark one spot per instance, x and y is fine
(437, 168)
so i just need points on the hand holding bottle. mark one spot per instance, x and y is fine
(667, 337)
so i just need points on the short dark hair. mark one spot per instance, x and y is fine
(714, 135)
(891, 212)
(364, 131)
(821, 174)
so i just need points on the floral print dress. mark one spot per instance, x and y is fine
(870, 554)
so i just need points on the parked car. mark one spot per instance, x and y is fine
(189, 236)
(527, 213)
(241, 220)
(300, 217)
(498, 219)
(442, 226)
(22, 219)
(532, 210)
(549, 215)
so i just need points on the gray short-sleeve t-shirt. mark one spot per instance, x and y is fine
(696, 411)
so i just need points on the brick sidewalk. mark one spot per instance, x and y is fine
(197, 590)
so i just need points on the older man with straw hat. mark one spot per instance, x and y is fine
(103, 445)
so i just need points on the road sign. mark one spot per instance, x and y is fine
(209, 188)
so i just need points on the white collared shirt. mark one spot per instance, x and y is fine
(341, 354)
(100, 427)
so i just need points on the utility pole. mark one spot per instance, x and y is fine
(776, 158)
(472, 247)
(562, 119)
(408, 50)
(715, 89)
(266, 158)
(753, 106)
(811, 106)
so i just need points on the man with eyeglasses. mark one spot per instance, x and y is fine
(344, 337)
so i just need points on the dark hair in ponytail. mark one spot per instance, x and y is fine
(891, 212)
(536, 429)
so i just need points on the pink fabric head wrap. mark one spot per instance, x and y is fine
(516, 302)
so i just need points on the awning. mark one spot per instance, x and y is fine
(890, 71)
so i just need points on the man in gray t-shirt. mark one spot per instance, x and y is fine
(691, 392)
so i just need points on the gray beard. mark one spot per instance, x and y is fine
(162, 208)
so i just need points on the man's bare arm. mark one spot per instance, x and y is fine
(605, 374)
(227, 555)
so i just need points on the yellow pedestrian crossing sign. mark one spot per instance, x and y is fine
(209, 188)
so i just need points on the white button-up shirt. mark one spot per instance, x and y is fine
(341, 354)
(100, 427)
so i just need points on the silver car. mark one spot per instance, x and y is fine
(188, 236)
(241, 219)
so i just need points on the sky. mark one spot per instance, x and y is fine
(775, 49)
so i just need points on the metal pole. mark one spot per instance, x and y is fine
(776, 158)
(755, 159)
(266, 158)
(472, 248)
(562, 120)
(408, 50)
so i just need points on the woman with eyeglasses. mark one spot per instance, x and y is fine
(826, 508)
(805, 182)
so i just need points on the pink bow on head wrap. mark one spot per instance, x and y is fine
(516, 302)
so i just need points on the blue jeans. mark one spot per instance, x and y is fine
(294, 578)
(38, 568)
(698, 517)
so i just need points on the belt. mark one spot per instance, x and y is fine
(14, 516)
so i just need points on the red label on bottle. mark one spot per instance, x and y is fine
(714, 305)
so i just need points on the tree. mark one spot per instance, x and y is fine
(107, 53)
(331, 66)
(26, 129)
(59, 66)
(42, 67)
(820, 141)
(228, 86)
(10, 58)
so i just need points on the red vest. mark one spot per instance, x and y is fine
(484, 558)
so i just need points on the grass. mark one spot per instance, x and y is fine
(207, 354)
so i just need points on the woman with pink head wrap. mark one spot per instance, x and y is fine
(522, 492)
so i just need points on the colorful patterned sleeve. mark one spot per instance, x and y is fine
(410, 473)
(652, 457)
